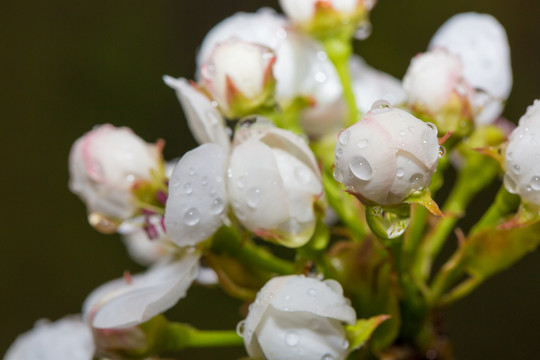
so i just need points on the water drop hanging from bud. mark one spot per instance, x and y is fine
(363, 30)
(381, 106)
(388, 223)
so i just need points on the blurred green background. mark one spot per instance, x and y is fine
(67, 65)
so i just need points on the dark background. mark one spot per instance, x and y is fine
(67, 65)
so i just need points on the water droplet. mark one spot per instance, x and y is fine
(320, 77)
(338, 176)
(402, 133)
(417, 180)
(345, 344)
(240, 328)
(253, 197)
(339, 152)
(217, 206)
(175, 182)
(287, 297)
(321, 55)
(204, 181)
(191, 217)
(412, 129)
(241, 182)
(191, 171)
(363, 30)
(212, 117)
(432, 127)
(327, 357)
(281, 33)
(229, 173)
(400, 172)
(510, 184)
(344, 137)
(214, 104)
(292, 338)
(516, 168)
(535, 182)
(363, 143)
(442, 151)
(334, 286)
(381, 106)
(387, 224)
(361, 168)
(187, 188)
(528, 188)
(130, 178)
(312, 292)
(509, 155)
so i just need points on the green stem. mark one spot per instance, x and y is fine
(504, 204)
(229, 240)
(462, 290)
(339, 51)
(179, 336)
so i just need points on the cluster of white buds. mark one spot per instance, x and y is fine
(523, 157)
(298, 318)
(387, 155)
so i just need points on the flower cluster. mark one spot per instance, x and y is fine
(304, 146)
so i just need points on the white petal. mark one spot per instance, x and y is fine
(255, 187)
(370, 85)
(141, 248)
(119, 304)
(204, 120)
(197, 198)
(68, 338)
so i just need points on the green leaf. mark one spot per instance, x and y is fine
(360, 332)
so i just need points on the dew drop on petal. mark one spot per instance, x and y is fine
(361, 168)
(321, 55)
(535, 183)
(528, 188)
(442, 151)
(217, 206)
(400, 172)
(312, 292)
(510, 184)
(229, 173)
(516, 168)
(417, 180)
(240, 328)
(191, 217)
(412, 129)
(212, 117)
(363, 143)
(344, 137)
(303, 175)
(320, 77)
(381, 106)
(509, 155)
(175, 182)
(204, 180)
(432, 127)
(339, 152)
(187, 188)
(338, 176)
(191, 171)
(292, 338)
(130, 178)
(334, 286)
(241, 182)
(253, 197)
(327, 357)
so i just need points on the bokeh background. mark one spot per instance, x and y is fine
(67, 65)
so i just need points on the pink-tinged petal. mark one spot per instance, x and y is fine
(121, 303)
(204, 120)
(67, 338)
(197, 201)
(256, 190)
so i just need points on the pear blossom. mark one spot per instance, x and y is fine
(522, 158)
(302, 68)
(306, 13)
(132, 300)
(67, 338)
(295, 317)
(106, 163)
(434, 85)
(238, 75)
(480, 41)
(273, 183)
(387, 155)
(198, 199)
(203, 118)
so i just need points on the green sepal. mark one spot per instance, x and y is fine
(360, 332)
(423, 197)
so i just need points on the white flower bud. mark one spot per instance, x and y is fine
(132, 300)
(480, 41)
(434, 85)
(67, 338)
(198, 200)
(523, 157)
(297, 318)
(106, 163)
(273, 183)
(387, 155)
(238, 75)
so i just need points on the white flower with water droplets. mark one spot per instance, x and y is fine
(198, 200)
(387, 155)
(106, 163)
(273, 183)
(67, 338)
(480, 41)
(297, 318)
(523, 157)
(133, 300)
(238, 75)
(204, 120)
